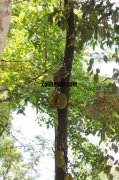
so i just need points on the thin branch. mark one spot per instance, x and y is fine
(8, 168)
(105, 15)
(4, 89)
(36, 66)
(45, 48)
(23, 145)
(6, 124)
(30, 80)
(13, 61)
(5, 100)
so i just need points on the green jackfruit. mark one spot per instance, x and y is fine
(61, 101)
(68, 176)
(60, 160)
(53, 99)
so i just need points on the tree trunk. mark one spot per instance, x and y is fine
(61, 131)
(5, 17)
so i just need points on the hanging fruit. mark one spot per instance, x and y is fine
(61, 101)
(60, 160)
(53, 99)
(68, 176)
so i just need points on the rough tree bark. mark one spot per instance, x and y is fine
(61, 131)
(5, 17)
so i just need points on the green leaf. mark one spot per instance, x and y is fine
(116, 27)
(117, 168)
(96, 78)
(115, 148)
(97, 71)
(107, 169)
(11, 88)
(89, 68)
(105, 58)
(91, 62)
(110, 177)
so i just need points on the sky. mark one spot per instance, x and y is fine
(29, 128)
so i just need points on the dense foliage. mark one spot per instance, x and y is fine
(35, 50)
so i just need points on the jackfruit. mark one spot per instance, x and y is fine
(60, 160)
(61, 101)
(53, 99)
(68, 176)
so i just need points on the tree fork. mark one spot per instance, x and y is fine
(61, 131)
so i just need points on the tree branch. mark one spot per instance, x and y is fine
(8, 168)
(4, 89)
(6, 124)
(5, 100)
(13, 61)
